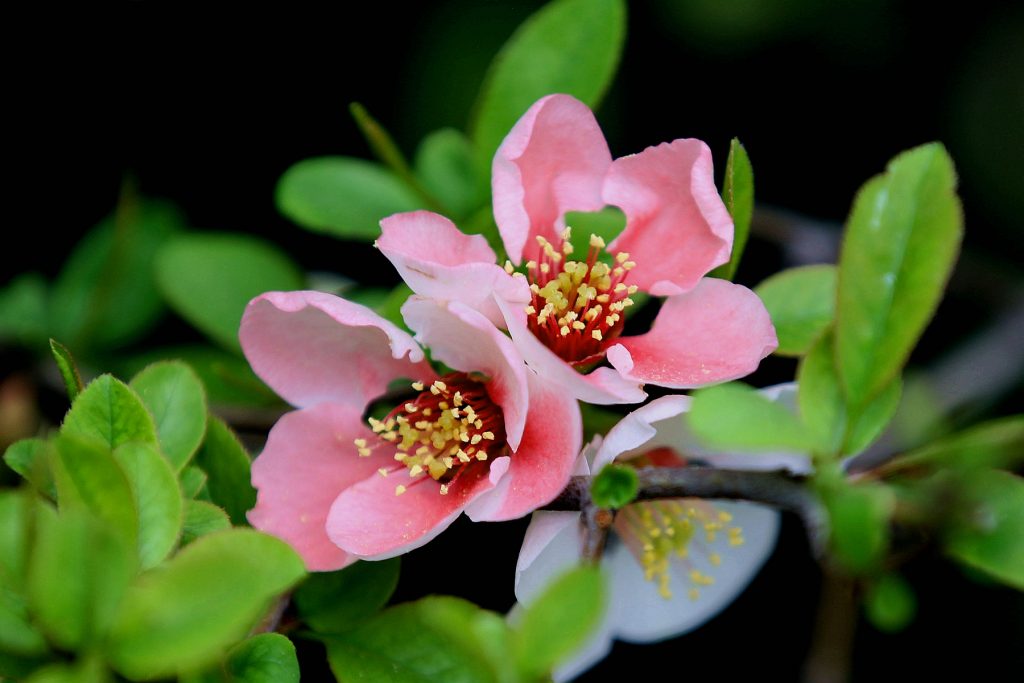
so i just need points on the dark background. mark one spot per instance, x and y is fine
(207, 109)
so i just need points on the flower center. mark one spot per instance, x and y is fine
(577, 306)
(661, 532)
(449, 428)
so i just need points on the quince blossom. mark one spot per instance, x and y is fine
(488, 439)
(566, 316)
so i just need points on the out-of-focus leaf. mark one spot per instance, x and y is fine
(997, 443)
(801, 302)
(900, 244)
(17, 634)
(265, 658)
(989, 532)
(866, 424)
(859, 518)
(334, 602)
(158, 503)
(606, 224)
(890, 603)
(385, 149)
(614, 486)
(86, 670)
(68, 369)
(738, 195)
(192, 480)
(343, 196)
(734, 416)
(183, 615)
(111, 412)
(175, 398)
(227, 466)
(23, 312)
(821, 401)
(568, 46)
(31, 459)
(445, 164)
(202, 518)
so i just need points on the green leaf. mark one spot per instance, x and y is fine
(568, 46)
(158, 503)
(343, 196)
(385, 149)
(859, 518)
(202, 518)
(867, 423)
(445, 164)
(433, 639)
(183, 615)
(79, 571)
(989, 533)
(735, 417)
(614, 486)
(227, 466)
(17, 634)
(606, 224)
(738, 195)
(822, 406)
(68, 370)
(23, 310)
(901, 241)
(105, 295)
(192, 480)
(801, 302)
(19, 668)
(559, 621)
(87, 670)
(175, 398)
(890, 603)
(266, 658)
(31, 459)
(996, 444)
(209, 278)
(337, 601)
(111, 412)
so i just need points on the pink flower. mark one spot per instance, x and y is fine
(671, 564)
(489, 439)
(571, 317)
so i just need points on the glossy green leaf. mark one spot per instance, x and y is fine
(202, 518)
(209, 278)
(227, 466)
(988, 534)
(106, 295)
(900, 244)
(31, 459)
(334, 602)
(821, 401)
(614, 486)
(445, 164)
(23, 310)
(568, 46)
(735, 417)
(67, 368)
(801, 302)
(158, 503)
(175, 398)
(192, 481)
(559, 620)
(859, 517)
(738, 195)
(266, 658)
(869, 421)
(996, 443)
(343, 196)
(183, 615)
(111, 412)
(79, 571)
(890, 603)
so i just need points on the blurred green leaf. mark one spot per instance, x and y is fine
(822, 406)
(867, 423)
(18, 668)
(735, 417)
(606, 224)
(183, 615)
(68, 369)
(899, 248)
(202, 518)
(988, 534)
(209, 278)
(175, 398)
(111, 412)
(192, 480)
(23, 310)
(445, 164)
(559, 621)
(738, 195)
(343, 196)
(434, 639)
(85, 670)
(334, 602)
(158, 503)
(614, 486)
(17, 634)
(801, 302)
(227, 466)
(859, 517)
(105, 295)
(385, 149)
(265, 658)
(31, 459)
(568, 46)
(890, 603)
(996, 443)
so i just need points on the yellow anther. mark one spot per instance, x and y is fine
(415, 471)
(476, 439)
(620, 288)
(418, 386)
(427, 412)
(629, 265)
(632, 289)
(509, 268)
(545, 268)
(622, 257)
(410, 408)
(715, 559)
(596, 242)
(489, 436)
(564, 330)
(530, 310)
(444, 489)
(364, 452)
(596, 334)
(482, 455)
(399, 490)
(383, 472)
(458, 398)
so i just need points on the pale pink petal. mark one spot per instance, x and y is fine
(543, 462)
(552, 161)
(544, 527)
(465, 340)
(716, 332)
(677, 227)
(312, 347)
(371, 522)
(308, 460)
(437, 260)
(600, 386)
(635, 433)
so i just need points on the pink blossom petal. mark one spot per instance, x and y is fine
(370, 521)
(636, 433)
(543, 462)
(308, 460)
(544, 527)
(465, 340)
(716, 332)
(438, 261)
(312, 347)
(677, 227)
(552, 161)
(600, 386)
